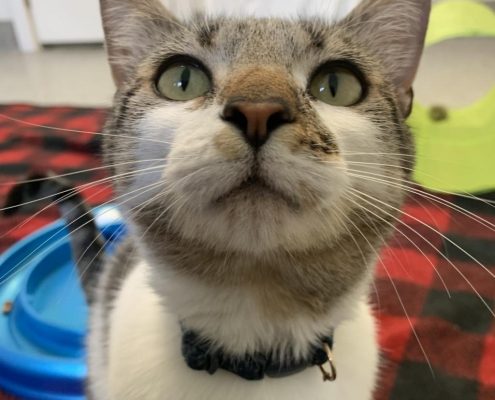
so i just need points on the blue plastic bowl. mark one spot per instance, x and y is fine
(42, 352)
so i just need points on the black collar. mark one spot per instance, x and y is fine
(199, 356)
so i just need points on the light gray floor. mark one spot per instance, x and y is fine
(73, 75)
(453, 73)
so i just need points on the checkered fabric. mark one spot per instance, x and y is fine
(434, 296)
(26, 148)
(426, 283)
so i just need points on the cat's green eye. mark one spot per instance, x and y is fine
(183, 82)
(337, 86)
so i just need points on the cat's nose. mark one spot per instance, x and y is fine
(257, 120)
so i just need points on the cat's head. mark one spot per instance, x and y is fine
(256, 135)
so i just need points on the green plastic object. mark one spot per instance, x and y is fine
(456, 147)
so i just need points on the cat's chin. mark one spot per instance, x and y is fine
(257, 219)
(255, 209)
(256, 192)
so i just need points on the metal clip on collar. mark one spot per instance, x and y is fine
(331, 375)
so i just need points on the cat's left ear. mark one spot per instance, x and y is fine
(395, 30)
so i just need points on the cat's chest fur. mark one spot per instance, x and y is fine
(139, 356)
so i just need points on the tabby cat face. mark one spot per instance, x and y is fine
(255, 134)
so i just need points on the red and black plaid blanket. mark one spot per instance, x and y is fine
(434, 295)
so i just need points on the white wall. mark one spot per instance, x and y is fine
(4, 11)
(63, 21)
(331, 9)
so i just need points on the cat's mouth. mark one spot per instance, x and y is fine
(256, 189)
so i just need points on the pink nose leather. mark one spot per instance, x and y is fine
(256, 120)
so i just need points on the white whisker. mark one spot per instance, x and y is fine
(360, 194)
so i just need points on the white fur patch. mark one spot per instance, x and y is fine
(363, 151)
(146, 360)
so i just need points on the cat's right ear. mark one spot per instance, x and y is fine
(131, 28)
(395, 30)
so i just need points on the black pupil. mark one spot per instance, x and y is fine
(333, 83)
(185, 77)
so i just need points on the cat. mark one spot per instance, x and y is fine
(251, 249)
